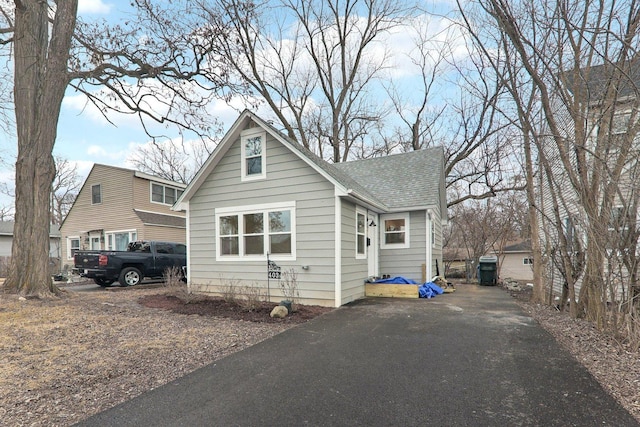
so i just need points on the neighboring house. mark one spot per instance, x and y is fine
(516, 261)
(260, 194)
(116, 206)
(610, 116)
(6, 241)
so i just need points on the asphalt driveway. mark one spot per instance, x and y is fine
(471, 358)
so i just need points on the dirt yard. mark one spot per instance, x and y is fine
(64, 360)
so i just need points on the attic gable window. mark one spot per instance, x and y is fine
(253, 154)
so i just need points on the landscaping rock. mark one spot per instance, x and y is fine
(279, 312)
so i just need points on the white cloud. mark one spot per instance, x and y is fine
(105, 156)
(93, 7)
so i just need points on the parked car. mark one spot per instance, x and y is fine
(141, 259)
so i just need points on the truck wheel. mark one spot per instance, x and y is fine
(130, 276)
(105, 283)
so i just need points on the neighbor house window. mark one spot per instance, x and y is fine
(253, 154)
(527, 261)
(96, 194)
(395, 231)
(73, 245)
(119, 240)
(253, 231)
(361, 235)
(165, 194)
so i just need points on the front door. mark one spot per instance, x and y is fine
(372, 243)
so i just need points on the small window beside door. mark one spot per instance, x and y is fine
(395, 231)
(361, 235)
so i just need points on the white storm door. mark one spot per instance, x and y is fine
(373, 245)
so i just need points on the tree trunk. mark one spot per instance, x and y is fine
(40, 81)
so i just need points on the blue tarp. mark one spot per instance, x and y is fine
(426, 290)
(429, 290)
(399, 280)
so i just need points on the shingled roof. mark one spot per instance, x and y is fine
(6, 229)
(151, 218)
(400, 180)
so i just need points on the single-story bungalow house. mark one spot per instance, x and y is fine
(262, 197)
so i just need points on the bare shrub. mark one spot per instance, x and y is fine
(253, 297)
(289, 287)
(229, 289)
(173, 278)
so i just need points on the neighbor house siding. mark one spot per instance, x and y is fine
(407, 262)
(122, 192)
(164, 233)
(512, 266)
(5, 246)
(289, 179)
(114, 213)
(354, 271)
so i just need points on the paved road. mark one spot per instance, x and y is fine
(471, 358)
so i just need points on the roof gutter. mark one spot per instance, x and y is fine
(368, 203)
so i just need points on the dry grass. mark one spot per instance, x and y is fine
(64, 360)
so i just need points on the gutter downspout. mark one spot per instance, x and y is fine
(429, 251)
(188, 241)
(338, 251)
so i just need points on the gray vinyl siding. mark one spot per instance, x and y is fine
(436, 249)
(288, 179)
(407, 262)
(354, 271)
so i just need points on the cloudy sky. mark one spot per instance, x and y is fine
(85, 137)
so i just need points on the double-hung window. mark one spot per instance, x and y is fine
(164, 194)
(250, 232)
(73, 245)
(253, 154)
(395, 231)
(96, 194)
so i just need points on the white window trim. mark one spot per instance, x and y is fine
(100, 187)
(243, 161)
(113, 239)
(364, 214)
(407, 231)
(69, 239)
(164, 195)
(264, 209)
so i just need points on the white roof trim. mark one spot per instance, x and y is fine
(159, 180)
(223, 147)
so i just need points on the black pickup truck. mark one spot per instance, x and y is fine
(141, 259)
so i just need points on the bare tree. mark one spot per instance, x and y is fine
(483, 226)
(149, 66)
(66, 186)
(174, 160)
(579, 60)
(314, 73)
